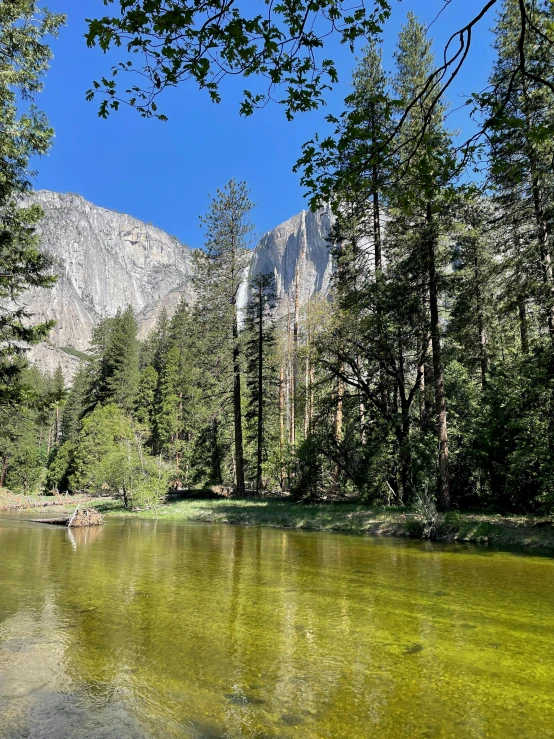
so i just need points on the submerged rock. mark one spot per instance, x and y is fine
(290, 719)
(243, 699)
(414, 649)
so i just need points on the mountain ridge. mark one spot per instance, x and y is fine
(107, 260)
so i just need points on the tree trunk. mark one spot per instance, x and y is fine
(260, 388)
(375, 198)
(544, 248)
(425, 370)
(541, 221)
(402, 436)
(282, 425)
(522, 310)
(521, 304)
(216, 457)
(361, 406)
(377, 230)
(307, 428)
(483, 339)
(338, 425)
(403, 421)
(294, 365)
(288, 398)
(338, 417)
(237, 406)
(4, 470)
(312, 399)
(378, 263)
(307, 398)
(483, 351)
(438, 375)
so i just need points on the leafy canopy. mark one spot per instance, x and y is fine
(206, 40)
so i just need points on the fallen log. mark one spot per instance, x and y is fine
(53, 521)
(80, 517)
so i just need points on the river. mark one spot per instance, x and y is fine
(159, 629)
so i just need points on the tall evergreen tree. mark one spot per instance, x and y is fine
(166, 424)
(222, 271)
(519, 115)
(114, 365)
(261, 370)
(421, 201)
(24, 59)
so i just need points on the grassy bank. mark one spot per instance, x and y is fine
(341, 517)
(61, 503)
(355, 519)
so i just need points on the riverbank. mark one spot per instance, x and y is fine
(340, 517)
(61, 503)
(356, 519)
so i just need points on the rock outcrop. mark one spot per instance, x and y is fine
(297, 244)
(106, 260)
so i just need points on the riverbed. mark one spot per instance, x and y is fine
(144, 628)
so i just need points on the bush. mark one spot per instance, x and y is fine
(109, 457)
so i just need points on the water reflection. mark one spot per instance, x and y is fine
(145, 628)
(81, 536)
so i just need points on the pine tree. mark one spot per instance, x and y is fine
(166, 421)
(519, 116)
(123, 361)
(421, 201)
(193, 412)
(114, 365)
(146, 397)
(27, 437)
(24, 59)
(74, 407)
(220, 275)
(474, 288)
(261, 370)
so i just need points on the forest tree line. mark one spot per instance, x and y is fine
(427, 373)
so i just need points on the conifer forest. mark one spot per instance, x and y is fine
(426, 375)
(265, 481)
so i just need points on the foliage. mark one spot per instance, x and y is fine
(113, 369)
(25, 134)
(28, 436)
(207, 41)
(425, 377)
(109, 457)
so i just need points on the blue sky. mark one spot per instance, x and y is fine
(163, 173)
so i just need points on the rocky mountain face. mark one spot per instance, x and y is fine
(107, 260)
(297, 244)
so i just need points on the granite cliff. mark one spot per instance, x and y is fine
(299, 243)
(106, 260)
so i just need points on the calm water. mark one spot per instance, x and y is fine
(145, 629)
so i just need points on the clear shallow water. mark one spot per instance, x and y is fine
(159, 629)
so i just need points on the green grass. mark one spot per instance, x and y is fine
(351, 519)
(348, 518)
(281, 514)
